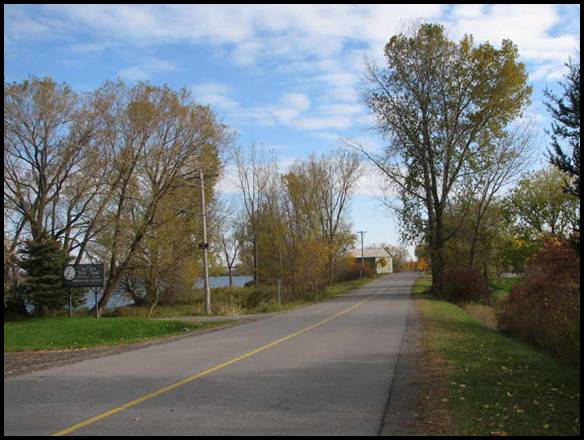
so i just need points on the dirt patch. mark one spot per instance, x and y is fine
(22, 362)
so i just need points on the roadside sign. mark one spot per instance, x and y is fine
(83, 275)
(203, 245)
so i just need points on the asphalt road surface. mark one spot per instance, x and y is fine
(322, 369)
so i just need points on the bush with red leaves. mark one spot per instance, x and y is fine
(544, 308)
(464, 284)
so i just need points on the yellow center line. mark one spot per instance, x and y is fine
(201, 374)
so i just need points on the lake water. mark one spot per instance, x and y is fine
(120, 299)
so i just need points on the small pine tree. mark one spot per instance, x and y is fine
(565, 110)
(43, 260)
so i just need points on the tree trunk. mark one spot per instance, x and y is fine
(474, 241)
(437, 256)
(155, 303)
(107, 293)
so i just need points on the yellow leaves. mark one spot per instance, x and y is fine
(422, 265)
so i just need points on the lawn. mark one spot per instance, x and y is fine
(481, 382)
(83, 332)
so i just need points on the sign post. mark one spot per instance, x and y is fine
(83, 275)
(96, 309)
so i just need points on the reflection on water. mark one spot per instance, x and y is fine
(120, 298)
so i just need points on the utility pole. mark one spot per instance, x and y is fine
(362, 255)
(205, 246)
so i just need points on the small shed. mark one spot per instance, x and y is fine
(375, 258)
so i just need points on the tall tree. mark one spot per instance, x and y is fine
(52, 171)
(326, 185)
(497, 169)
(439, 103)
(157, 139)
(565, 111)
(227, 224)
(254, 174)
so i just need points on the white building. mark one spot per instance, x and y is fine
(376, 258)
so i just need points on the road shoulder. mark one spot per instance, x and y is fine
(402, 411)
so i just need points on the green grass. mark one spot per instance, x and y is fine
(494, 384)
(82, 332)
(345, 286)
(330, 292)
(422, 285)
(501, 287)
(159, 312)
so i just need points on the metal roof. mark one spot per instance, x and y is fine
(369, 253)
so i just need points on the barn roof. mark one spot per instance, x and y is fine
(369, 253)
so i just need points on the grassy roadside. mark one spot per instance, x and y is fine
(481, 382)
(228, 302)
(84, 332)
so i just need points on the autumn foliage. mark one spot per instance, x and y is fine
(544, 309)
(464, 284)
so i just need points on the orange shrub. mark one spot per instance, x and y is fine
(353, 271)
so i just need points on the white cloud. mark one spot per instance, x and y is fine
(531, 27)
(146, 68)
(321, 47)
(372, 183)
(133, 74)
(290, 107)
(293, 109)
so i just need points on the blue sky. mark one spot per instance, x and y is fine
(285, 76)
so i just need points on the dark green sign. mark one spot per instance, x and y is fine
(83, 275)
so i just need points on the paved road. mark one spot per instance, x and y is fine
(323, 369)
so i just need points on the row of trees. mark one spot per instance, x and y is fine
(102, 175)
(292, 228)
(449, 112)
(112, 176)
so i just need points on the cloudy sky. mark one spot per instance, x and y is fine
(285, 76)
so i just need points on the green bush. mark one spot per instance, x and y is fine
(544, 308)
